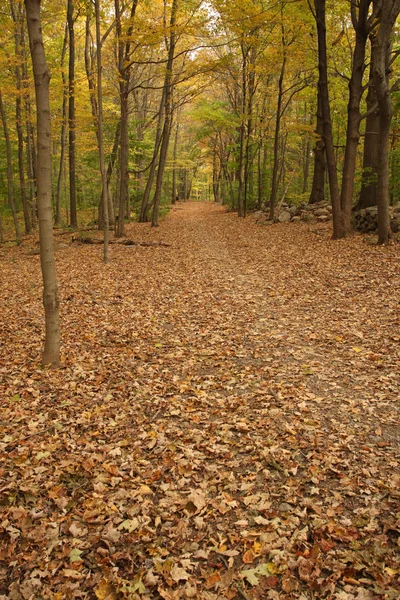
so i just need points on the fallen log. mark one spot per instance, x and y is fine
(79, 239)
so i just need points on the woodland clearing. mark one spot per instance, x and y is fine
(225, 423)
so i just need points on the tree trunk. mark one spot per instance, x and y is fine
(10, 184)
(215, 176)
(173, 193)
(388, 11)
(242, 134)
(249, 110)
(359, 16)
(320, 17)
(30, 134)
(368, 194)
(168, 87)
(275, 169)
(318, 185)
(100, 135)
(71, 116)
(16, 12)
(110, 169)
(144, 209)
(90, 75)
(63, 131)
(124, 81)
(51, 354)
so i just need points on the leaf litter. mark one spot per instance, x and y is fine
(225, 423)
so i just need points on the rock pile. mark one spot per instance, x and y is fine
(366, 220)
(321, 212)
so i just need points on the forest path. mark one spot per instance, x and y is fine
(225, 423)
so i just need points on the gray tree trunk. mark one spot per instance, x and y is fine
(100, 136)
(10, 183)
(71, 116)
(51, 353)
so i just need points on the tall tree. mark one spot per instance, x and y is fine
(51, 353)
(361, 20)
(124, 73)
(17, 16)
(168, 108)
(10, 184)
(100, 135)
(319, 12)
(368, 194)
(385, 15)
(317, 193)
(61, 168)
(71, 115)
(90, 62)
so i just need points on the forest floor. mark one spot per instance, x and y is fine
(225, 424)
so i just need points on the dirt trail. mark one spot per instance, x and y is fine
(225, 424)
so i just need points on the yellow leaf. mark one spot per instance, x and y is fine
(257, 547)
(105, 591)
(356, 349)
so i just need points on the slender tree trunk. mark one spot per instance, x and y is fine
(318, 185)
(339, 230)
(259, 174)
(215, 176)
(110, 169)
(248, 179)
(100, 135)
(123, 51)
(144, 209)
(71, 116)
(174, 163)
(10, 183)
(168, 87)
(368, 194)
(388, 11)
(242, 133)
(306, 166)
(63, 131)
(51, 354)
(275, 169)
(30, 134)
(90, 75)
(17, 16)
(360, 23)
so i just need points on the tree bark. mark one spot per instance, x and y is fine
(360, 21)
(275, 168)
(71, 116)
(100, 136)
(248, 171)
(124, 71)
(51, 353)
(318, 185)
(368, 194)
(10, 183)
(387, 12)
(168, 87)
(242, 133)
(323, 88)
(16, 12)
(173, 194)
(63, 131)
(144, 209)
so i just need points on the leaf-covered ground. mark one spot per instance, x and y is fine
(225, 423)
